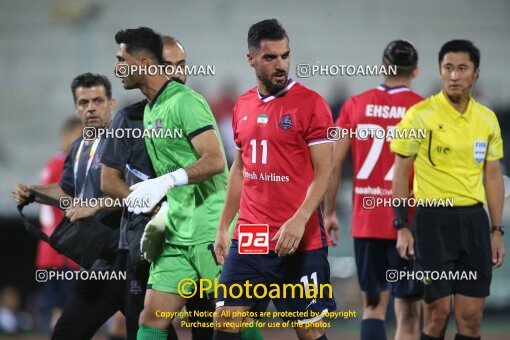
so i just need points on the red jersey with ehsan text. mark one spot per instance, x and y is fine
(377, 109)
(274, 134)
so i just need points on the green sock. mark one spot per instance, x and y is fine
(150, 333)
(252, 333)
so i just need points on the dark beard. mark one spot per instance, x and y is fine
(131, 86)
(132, 82)
(272, 88)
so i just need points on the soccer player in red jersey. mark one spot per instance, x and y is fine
(279, 177)
(365, 124)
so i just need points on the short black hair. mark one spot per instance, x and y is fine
(459, 45)
(90, 80)
(403, 55)
(269, 29)
(142, 39)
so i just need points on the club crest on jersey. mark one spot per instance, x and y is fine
(159, 124)
(479, 150)
(96, 161)
(285, 122)
(262, 119)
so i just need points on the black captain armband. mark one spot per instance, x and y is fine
(498, 228)
(401, 212)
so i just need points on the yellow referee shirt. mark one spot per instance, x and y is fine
(450, 148)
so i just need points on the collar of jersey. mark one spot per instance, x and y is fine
(270, 97)
(393, 90)
(161, 90)
(452, 111)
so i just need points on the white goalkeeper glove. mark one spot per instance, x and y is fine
(147, 194)
(154, 234)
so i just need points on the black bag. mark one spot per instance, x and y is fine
(82, 240)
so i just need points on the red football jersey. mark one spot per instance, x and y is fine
(274, 134)
(377, 109)
(50, 217)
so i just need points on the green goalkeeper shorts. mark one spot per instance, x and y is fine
(177, 263)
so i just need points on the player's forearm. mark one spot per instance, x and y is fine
(316, 192)
(205, 167)
(340, 151)
(495, 191)
(233, 197)
(113, 184)
(400, 185)
(332, 190)
(53, 190)
(400, 188)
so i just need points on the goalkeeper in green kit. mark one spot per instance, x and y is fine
(187, 155)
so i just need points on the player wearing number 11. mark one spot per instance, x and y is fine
(279, 177)
(372, 229)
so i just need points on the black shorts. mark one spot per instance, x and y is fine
(374, 259)
(453, 240)
(305, 266)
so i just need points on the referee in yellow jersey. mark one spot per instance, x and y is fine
(457, 159)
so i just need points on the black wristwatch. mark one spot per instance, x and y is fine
(399, 223)
(498, 228)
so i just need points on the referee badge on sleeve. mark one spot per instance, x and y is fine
(480, 149)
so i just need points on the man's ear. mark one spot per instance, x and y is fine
(415, 72)
(113, 105)
(477, 73)
(77, 114)
(141, 58)
(250, 59)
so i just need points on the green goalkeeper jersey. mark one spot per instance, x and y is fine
(175, 116)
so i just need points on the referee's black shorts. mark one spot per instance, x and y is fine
(453, 241)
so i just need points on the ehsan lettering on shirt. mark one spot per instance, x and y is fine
(263, 176)
(385, 111)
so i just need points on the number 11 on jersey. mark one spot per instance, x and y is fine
(263, 144)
